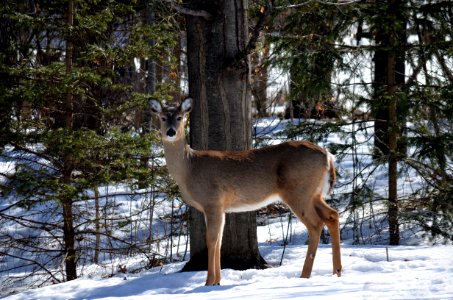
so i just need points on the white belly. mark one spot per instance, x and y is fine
(241, 207)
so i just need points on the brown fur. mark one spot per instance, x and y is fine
(216, 182)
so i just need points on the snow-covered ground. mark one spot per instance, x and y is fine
(410, 273)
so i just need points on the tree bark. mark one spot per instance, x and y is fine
(67, 202)
(97, 226)
(393, 156)
(221, 117)
(390, 40)
(389, 117)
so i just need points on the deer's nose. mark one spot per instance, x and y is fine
(171, 132)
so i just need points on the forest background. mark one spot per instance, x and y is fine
(76, 78)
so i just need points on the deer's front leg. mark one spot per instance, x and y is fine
(214, 228)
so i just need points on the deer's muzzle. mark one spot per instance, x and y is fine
(171, 132)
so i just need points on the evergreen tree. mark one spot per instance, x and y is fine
(305, 49)
(69, 86)
(405, 45)
(430, 89)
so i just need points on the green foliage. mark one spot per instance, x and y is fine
(68, 128)
(106, 42)
(306, 48)
(313, 131)
(328, 48)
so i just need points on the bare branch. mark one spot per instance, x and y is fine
(337, 3)
(191, 12)
(443, 65)
(32, 261)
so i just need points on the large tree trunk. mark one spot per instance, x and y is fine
(220, 118)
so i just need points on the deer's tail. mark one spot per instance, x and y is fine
(331, 174)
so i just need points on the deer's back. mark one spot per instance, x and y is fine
(256, 175)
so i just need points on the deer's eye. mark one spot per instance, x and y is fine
(164, 119)
(179, 118)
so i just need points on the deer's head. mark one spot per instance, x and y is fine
(171, 118)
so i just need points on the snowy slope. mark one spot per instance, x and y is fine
(410, 273)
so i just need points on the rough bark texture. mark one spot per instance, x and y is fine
(67, 202)
(220, 119)
(389, 124)
(391, 40)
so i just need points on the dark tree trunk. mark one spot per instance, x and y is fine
(381, 105)
(393, 157)
(97, 226)
(220, 118)
(69, 241)
(388, 109)
(7, 34)
(67, 202)
(390, 41)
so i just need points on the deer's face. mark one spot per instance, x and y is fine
(171, 124)
(171, 118)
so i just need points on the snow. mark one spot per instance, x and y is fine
(422, 272)
(408, 272)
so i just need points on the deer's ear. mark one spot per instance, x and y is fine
(186, 105)
(156, 106)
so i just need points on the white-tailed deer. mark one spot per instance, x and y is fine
(217, 182)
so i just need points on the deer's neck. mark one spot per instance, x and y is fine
(177, 155)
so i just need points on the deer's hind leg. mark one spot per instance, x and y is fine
(314, 213)
(306, 213)
(331, 218)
